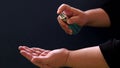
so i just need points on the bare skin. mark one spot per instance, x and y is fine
(90, 57)
(45, 58)
(93, 17)
(82, 58)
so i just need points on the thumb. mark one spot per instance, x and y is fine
(72, 20)
(40, 59)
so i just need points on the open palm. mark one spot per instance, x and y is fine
(45, 58)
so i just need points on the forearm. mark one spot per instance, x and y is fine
(86, 58)
(97, 18)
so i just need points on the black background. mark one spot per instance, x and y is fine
(34, 23)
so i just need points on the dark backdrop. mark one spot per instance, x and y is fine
(34, 23)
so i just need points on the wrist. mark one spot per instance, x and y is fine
(88, 17)
(97, 18)
(68, 62)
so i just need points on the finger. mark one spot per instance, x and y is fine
(64, 26)
(33, 53)
(22, 47)
(63, 7)
(45, 53)
(73, 20)
(40, 59)
(26, 54)
(37, 61)
(36, 51)
(38, 64)
(27, 49)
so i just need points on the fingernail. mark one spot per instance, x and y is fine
(68, 22)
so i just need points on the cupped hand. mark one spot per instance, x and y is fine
(45, 58)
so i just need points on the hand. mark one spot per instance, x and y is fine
(45, 58)
(74, 16)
